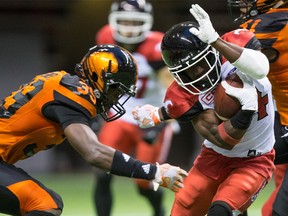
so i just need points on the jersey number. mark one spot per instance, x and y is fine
(262, 102)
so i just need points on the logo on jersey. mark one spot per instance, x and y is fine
(253, 152)
(208, 97)
(166, 104)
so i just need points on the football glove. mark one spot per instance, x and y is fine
(146, 115)
(247, 96)
(170, 177)
(206, 31)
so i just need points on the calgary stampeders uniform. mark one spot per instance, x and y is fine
(255, 150)
(33, 119)
(147, 54)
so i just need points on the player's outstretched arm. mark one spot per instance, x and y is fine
(84, 140)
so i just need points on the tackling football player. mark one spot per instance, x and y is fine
(56, 106)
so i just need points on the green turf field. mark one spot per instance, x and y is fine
(76, 191)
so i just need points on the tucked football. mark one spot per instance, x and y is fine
(226, 106)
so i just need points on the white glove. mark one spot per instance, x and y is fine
(168, 176)
(206, 31)
(146, 115)
(247, 96)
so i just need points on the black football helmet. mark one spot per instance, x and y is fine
(112, 73)
(251, 8)
(194, 64)
(130, 20)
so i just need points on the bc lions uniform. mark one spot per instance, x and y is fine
(32, 119)
(270, 28)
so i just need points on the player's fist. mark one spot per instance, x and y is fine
(146, 115)
(170, 177)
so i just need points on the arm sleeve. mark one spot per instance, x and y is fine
(65, 115)
(253, 63)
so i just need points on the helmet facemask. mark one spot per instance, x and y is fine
(112, 73)
(130, 27)
(110, 97)
(242, 10)
(251, 8)
(130, 21)
(186, 74)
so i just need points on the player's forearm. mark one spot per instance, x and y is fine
(232, 131)
(230, 51)
(251, 62)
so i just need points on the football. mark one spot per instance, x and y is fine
(225, 106)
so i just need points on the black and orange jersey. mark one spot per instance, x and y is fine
(271, 29)
(27, 126)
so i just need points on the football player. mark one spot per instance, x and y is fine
(268, 19)
(56, 106)
(130, 23)
(236, 160)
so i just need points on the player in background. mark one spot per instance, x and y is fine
(57, 105)
(268, 20)
(130, 23)
(236, 160)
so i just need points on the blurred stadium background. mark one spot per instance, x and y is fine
(48, 35)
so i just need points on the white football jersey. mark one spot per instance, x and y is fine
(259, 137)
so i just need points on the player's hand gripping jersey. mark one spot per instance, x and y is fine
(29, 124)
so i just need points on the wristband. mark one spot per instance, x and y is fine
(242, 119)
(164, 114)
(124, 165)
(225, 136)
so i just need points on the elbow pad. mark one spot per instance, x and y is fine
(253, 63)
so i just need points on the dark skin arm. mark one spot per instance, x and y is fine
(84, 140)
(206, 124)
(231, 51)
